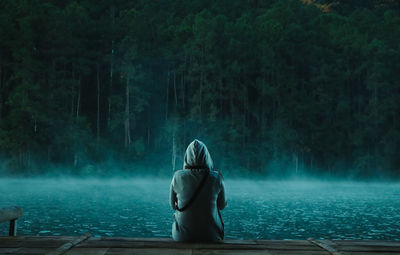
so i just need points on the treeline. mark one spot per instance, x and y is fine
(272, 87)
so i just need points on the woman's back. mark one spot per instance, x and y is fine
(201, 220)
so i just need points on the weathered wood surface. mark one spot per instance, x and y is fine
(87, 245)
(69, 245)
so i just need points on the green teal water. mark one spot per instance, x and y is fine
(256, 209)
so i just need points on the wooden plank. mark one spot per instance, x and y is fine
(24, 250)
(367, 243)
(293, 248)
(64, 248)
(87, 251)
(8, 250)
(297, 242)
(370, 246)
(234, 252)
(284, 242)
(34, 241)
(33, 244)
(38, 238)
(36, 245)
(120, 251)
(150, 251)
(219, 246)
(35, 238)
(369, 253)
(293, 252)
(300, 245)
(130, 239)
(370, 249)
(165, 245)
(239, 242)
(8, 238)
(328, 242)
(126, 243)
(325, 246)
(166, 240)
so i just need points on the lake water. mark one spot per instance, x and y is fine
(256, 209)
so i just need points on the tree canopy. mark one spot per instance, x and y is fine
(272, 87)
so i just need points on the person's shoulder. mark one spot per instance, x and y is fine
(215, 174)
(177, 177)
(179, 173)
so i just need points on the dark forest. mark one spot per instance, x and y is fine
(282, 88)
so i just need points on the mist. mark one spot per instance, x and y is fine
(139, 207)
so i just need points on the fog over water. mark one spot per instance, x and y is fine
(256, 209)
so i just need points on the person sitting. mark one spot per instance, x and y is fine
(197, 194)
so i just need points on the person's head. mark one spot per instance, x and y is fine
(197, 156)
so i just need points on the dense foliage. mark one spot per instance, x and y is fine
(272, 87)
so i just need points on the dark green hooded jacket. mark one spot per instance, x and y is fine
(200, 221)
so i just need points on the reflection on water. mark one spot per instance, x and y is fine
(256, 209)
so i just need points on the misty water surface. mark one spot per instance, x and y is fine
(256, 209)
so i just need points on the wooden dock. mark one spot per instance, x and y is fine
(87, 245)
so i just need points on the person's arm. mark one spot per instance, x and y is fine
(172, 195)
(221, 201)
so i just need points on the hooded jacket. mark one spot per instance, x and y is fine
(201, 220)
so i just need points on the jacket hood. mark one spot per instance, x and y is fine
(197, 156)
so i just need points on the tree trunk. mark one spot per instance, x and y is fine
(175, 93)
(231, 107)
(72, 94)
(98, 107)
(244, 116)
(183, 110)
(166, 101)
(219, 103)
(183, 86)
(63, 78)
(76, 160)
(78, 101)
(1, 89)
(112, 14)
(148, 137)
(173, 149)
(127, 116)
(262, 126)
(111, 84)
(200, 95)
(201, 81)
(184, 137)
